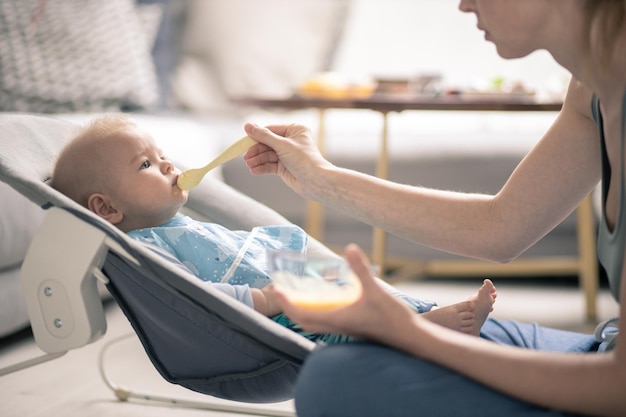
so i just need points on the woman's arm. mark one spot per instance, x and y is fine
(582, 383)
(543, 190)
(590, 384)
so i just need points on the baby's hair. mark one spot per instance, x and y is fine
(106, 125)
(74, 174)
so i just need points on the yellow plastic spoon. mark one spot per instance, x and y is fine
(192, 177)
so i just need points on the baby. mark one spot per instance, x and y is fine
(116, 170)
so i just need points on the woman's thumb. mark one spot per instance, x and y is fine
(359, 263)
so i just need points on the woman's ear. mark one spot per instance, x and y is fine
(102, 206)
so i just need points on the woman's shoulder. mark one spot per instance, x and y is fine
(578, 99)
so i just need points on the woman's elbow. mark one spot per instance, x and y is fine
(504, 250)
(503, 257)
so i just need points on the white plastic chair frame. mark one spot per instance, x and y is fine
(65, 306)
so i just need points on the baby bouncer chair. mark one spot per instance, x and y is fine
(193, 334)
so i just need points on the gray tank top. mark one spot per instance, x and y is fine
(611, 244)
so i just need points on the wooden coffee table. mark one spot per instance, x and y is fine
(584, 265)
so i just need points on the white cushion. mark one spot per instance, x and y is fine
(19, 219)
(12, 305)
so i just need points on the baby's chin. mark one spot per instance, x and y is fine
(181, 195)
(184, 196)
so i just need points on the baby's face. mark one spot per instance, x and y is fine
(142, 181)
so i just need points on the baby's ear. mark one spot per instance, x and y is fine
(102, 206)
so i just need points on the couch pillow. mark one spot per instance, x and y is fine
(75, 55)
(12, 304)
(19, 219)
(261, 47)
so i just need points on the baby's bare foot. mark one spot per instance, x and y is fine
(467, 316)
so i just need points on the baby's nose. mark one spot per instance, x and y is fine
(167, 167)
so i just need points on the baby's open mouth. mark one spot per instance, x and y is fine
(176, 189)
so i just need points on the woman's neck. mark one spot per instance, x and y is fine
(592, 59)
(606, 74)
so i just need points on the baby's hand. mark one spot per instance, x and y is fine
(265, 301)
(272, 303)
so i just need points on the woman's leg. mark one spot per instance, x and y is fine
(533, 336)
(367, 380)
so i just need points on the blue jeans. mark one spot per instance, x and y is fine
(368, 380)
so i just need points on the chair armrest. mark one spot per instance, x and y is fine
(58, 277)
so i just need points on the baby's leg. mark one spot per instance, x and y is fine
(467, 316)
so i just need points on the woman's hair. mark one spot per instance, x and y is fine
(605, 21)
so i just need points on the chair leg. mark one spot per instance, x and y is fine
(123, 393)
(587, 256)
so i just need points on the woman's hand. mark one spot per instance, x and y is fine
(376, 316)
(287, 151)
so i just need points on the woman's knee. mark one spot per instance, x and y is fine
(321, 378)
(366, 380)
(356, 379)
(334, 379)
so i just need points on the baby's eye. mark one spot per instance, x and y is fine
(145, 165)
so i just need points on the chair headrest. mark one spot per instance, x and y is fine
(29, 146)
(32, 143)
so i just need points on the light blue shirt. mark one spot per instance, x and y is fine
(217, 254)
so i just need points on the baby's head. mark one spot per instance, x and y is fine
(116, 170)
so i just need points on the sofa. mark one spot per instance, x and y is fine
(174, 64)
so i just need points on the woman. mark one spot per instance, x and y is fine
(429, 370)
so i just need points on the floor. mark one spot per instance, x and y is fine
(72, 385)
